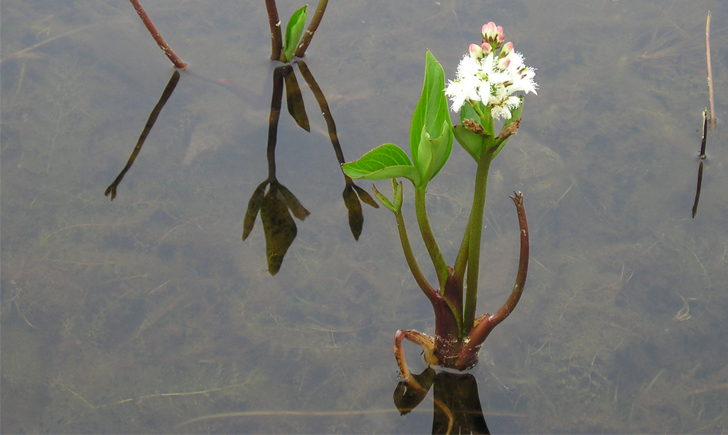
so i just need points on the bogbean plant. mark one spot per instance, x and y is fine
(490, 84)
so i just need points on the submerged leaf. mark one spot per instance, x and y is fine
(256, 201)
(294, 100)
(364, 196)
(406, 397)
(356, 216)
(279, 228)
(298, 210)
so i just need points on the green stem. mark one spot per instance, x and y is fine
(475, 225)
(480, 113)
(462, 259)
(429, 238)
(412, 261)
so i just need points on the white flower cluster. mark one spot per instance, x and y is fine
(490, 77)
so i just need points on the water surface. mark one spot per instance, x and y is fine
(139, 314)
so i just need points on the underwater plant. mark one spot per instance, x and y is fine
(491, 80)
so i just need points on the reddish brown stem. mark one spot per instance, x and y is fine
(179, 63)
(424, 341)
(485, 324)
(517, 291)
(275, 30)
(312, 26)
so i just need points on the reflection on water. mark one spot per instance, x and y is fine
(140, 314)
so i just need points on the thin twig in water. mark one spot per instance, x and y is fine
(179, 63)
(710, 73)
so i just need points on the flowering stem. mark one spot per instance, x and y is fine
(429, 238)
(476, 107)
(462, 259)
(475, 225)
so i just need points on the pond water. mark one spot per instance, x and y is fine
(141, 314)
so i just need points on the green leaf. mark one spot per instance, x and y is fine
(294, 31)
(432, 115)
(383, 162)
(423, 160)
(396, 192)
(472, 142)
(467, 112)
(441, 147)
(383, 199)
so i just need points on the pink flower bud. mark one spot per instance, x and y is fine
(476, 52)
(490, 31)
(506, 50)
(486, 48)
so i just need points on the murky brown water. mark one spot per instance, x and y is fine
(139, 314)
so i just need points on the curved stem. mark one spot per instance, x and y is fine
(475, 225)
(523, 258)
(468, 354)
(429, 238)
(409, 255)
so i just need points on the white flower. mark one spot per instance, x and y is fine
(492, 79)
